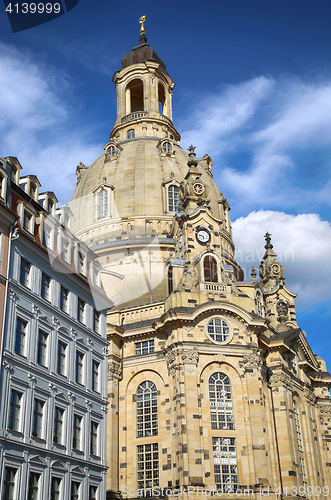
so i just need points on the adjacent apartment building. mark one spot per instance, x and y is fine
(54, 350)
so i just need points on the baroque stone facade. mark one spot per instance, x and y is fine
(211, 382)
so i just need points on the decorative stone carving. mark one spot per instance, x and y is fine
(105, 351)
(35, 309)
(114, 371)
(282, 311)
(252, 361)
(104, 409)
(13, 295)
(309, 395)
(88, 403)
(52, 387)
(55, 321)
(7, 366)
(281, 380)
(325, 409)
(190, 357)
(32, 378)
(71, 395)
(73, 333)
(171, 362)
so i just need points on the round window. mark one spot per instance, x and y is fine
(218, 330)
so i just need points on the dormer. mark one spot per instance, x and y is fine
(3, 181)
(48, 201)
(16, 168)
(103, 200)
(112, 151)
(30, 184)
(63, 215)
(166, 147)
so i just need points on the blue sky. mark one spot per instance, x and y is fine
(253, 87)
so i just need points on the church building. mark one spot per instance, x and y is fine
(212, 385)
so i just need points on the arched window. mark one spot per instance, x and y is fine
(210, 269)
(131, 133)
(110, 153)
(161, 98)
(173, 198)
(170, 280)
(102, 203)
(221, 411)
(167, 147)
(136, 89)
(147, 409)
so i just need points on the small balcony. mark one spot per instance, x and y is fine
(208, 286)
(134, 116)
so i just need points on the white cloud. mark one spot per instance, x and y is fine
(302, 243)
(35, 120)
(272, 124)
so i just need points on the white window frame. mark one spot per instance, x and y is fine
(165, 190)
(110, 193)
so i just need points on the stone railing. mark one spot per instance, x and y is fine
(133, 116)
(214, 287)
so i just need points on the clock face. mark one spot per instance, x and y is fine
(203, 236)
(198, 188)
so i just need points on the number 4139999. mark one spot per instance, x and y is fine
(303, 491)
(34, 8)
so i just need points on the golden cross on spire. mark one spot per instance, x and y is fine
(142, 19)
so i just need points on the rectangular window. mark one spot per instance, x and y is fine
(145, 347)
(55, 488)
(96, 321)
(61, 358)
(74, 494)
(37, 418)
(45, 286)
(303, 470)
(64, 299)
(81, 262)
(14, 411)
(95, 376)
(24, 272)
(148, 466)
(2, 183)
(9, 483)
(33, 486)
(80, 310)
(92, 494)
(20, 336)
(79, 367)
(94, 438)
(41, 348)
(76, 444)
(65, 250)
(225, 464)
(27, 218)
(47, 234)
(58, 425)
(1, 247)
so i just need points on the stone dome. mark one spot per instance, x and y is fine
(124, 203)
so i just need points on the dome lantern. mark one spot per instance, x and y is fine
(144, 95)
